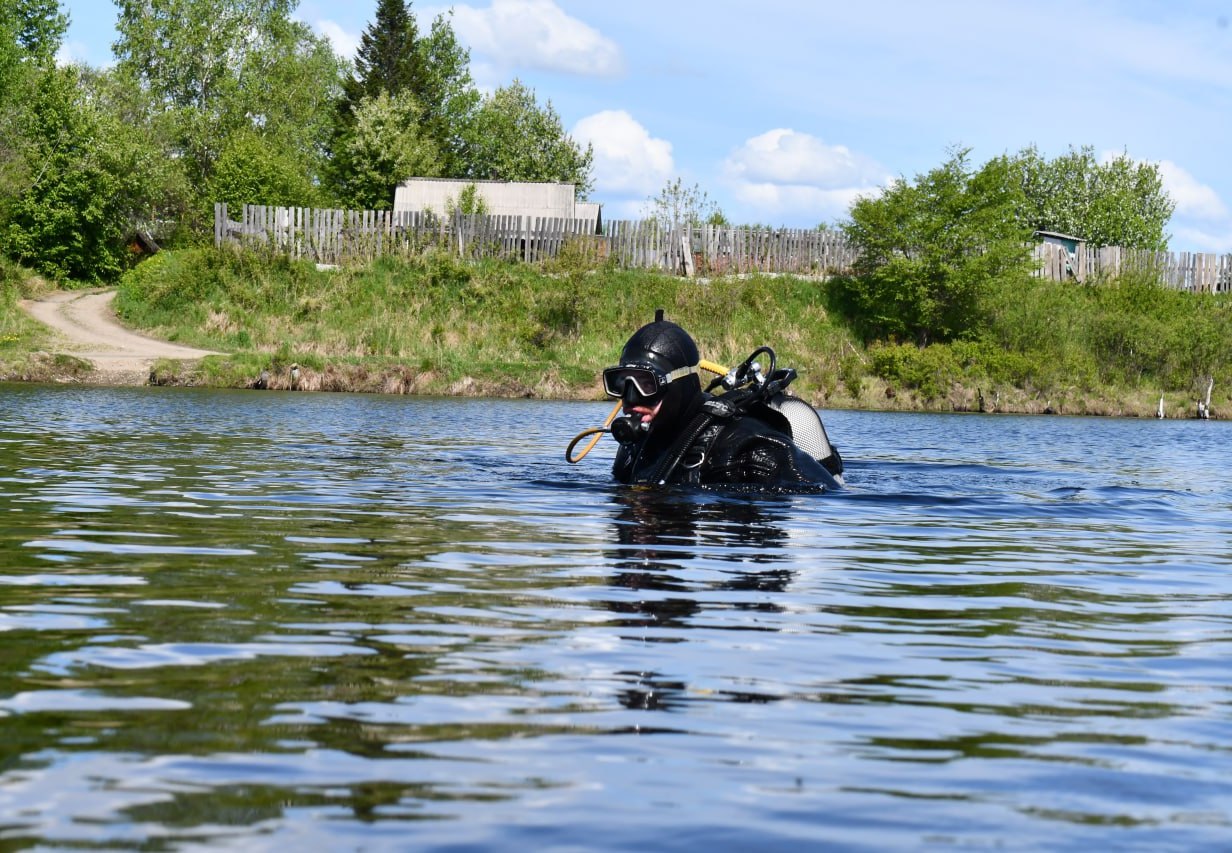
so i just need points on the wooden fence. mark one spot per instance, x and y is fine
(1195, 272)
(344, 236)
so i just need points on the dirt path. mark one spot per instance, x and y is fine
(86, 327)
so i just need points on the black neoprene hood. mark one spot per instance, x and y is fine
(667, 347)
(662, 344)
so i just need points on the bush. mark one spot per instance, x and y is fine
(935, 369)
(931, 251)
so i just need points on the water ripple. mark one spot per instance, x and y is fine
(385, 623)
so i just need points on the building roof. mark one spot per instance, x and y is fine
(1059, 236)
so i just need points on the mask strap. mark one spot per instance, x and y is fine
(680, 373)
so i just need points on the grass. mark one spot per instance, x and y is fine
(22, 340)
(501, 328)
(436, 324)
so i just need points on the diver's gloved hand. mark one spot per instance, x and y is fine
(629, 429)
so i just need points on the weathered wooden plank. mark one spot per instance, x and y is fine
(334, 236)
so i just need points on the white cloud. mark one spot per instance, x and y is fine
(345, 44)
(76, 52)
(784, 170)
(785, 156)
(628, 160)
(1193, 199)
(537, 34)
(1189, 238)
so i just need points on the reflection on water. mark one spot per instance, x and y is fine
(658, 532)
(248, 620)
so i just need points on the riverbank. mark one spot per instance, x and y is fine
(435, 325)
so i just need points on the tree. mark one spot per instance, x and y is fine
(1117, 203)
(218, 67)
(64, 189)
(253, 170)
(388, 59)
(434, 70)
(512, 138)
(12, 81)
(36, 26)
(469, 202)
(447, 94)
(932, 249)
(69, 220)
(31, 32)
(386, 147)
(677, 205)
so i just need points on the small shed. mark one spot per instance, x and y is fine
(1063, 251)
(500, 198)
(140, 243)
(1070, 243)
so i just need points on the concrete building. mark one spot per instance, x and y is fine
(500, 198)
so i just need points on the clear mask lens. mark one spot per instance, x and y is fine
(646, 382)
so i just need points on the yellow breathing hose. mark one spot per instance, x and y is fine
(716, 369)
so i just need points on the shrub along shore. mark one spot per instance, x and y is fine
(437, 325)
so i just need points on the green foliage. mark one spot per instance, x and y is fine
(207, 296)
(678, 205)
(156, 194)
(253, 169)
(12, 277)
(431, 71)
(14, 86)
(10, 54)
(935, 369)
(36, 27)
(1126, 332)
(388, 59)
(851, 374)
(930, 251)
(514, 329)
(218, 67)
(69, 220)
(89, 157)
(508, 323)
(384, 148)
(19, 334)
(30, 34)
(469, 203)
(1139, 331)
(1118, 203)
(512, 138)
(447, 93)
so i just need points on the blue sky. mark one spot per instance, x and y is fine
(783, 111)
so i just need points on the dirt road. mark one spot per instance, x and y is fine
(86, 327)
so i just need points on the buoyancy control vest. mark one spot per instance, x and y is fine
(753, 433)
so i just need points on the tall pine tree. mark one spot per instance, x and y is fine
(431, 73)
(388, 59)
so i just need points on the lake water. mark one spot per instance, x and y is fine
(269, 621)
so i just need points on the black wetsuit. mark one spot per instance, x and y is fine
(721, 450)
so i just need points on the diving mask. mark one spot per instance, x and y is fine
(648, 381)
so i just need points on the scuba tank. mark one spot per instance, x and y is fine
(751, 391)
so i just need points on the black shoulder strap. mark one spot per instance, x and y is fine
(713, 409)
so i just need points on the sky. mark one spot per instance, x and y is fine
(784, 111)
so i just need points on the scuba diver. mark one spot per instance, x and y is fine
(671, 431)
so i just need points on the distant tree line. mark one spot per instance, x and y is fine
(235, 101)
(936, 250)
